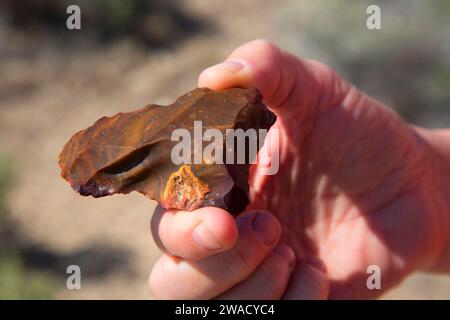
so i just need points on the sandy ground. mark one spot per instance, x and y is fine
(51, 97)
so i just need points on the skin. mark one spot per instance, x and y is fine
(357, 186)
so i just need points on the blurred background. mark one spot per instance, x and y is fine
(54, 82)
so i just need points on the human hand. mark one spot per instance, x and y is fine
(353, 189)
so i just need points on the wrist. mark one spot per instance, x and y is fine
(436, 149)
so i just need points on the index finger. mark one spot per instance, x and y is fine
(287, 83)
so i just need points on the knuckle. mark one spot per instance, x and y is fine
(154, 283)
(245, 258)
(160, 281)
(266, 46)
(275, 272)
(267, 67)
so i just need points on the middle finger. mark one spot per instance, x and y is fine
(174, 278)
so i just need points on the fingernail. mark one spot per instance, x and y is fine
(286, 251)
(265, 228)
(205, 238)
(229, 66)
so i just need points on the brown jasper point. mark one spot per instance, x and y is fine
(132, 151)
(184, 191)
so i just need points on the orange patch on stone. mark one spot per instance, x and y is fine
(184, 191)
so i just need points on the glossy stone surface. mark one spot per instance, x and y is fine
(132, 152)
